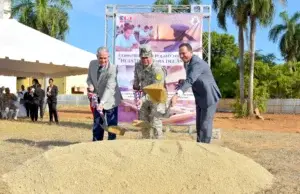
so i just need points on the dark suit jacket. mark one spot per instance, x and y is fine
(52, 98)
(40, 93)
(201, 79)
(28, 98)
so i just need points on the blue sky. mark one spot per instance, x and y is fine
(87, 24)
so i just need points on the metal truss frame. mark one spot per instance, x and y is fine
(112, 10)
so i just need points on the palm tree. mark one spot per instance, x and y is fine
(289, 43)
(260, 12)
(47, 16)
(236, 9)
(161, 5)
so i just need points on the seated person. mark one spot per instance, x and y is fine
(10, 105)
(1, 102)
(144, 35)
(127, 40)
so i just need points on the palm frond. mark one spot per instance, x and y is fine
(295, 17)
(276, 31)
(284, 16)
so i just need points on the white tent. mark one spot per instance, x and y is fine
(27, 52)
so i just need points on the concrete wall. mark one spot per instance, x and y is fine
(283, 106)
(75, 81)
(64, 84)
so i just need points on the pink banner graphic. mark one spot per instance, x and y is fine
(164, 32)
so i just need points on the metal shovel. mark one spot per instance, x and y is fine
(112, 129)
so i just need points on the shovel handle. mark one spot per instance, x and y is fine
(137, 96)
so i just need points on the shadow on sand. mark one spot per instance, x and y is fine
(41, 144)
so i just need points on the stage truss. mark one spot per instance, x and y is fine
(112, 10)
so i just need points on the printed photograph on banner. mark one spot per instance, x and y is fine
(164, 33)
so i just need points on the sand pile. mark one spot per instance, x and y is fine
(139, 166)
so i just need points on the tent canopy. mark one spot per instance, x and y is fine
(26, 52)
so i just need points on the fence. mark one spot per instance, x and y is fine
(283, 106)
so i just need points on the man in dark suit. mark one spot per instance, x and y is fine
(102, 81)
(41, 96)
(37, 96)
(52, 92)
(205, 89)
(27, 101)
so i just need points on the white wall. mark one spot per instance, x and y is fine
(77, 80)
(9, 82)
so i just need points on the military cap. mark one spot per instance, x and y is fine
(146, 51)
(179, 27)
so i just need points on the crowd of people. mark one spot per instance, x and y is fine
(31, 102)
(102, 82)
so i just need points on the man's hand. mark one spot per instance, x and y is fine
(90, 95)
(181, 81)
(139, 103)
(91, 88)
(135, 46)
(100, 107)
(174, 100)
(135, 87)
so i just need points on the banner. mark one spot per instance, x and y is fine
(164, 33)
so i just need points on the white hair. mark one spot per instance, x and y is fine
(101, 49)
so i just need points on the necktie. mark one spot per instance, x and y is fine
(99, 72)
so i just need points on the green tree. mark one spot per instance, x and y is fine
(222, 45)
(226, 74)
(236, 9)
(289, 43)
(47, 16)
(268, 58)
(260, 12)
(283, 83)
(261, 81)
(177, 6)
(224, 56)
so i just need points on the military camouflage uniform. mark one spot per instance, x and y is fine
(150, 112)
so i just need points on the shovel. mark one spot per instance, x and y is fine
(157, 94)
(112, 129)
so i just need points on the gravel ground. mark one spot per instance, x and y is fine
(276, 151)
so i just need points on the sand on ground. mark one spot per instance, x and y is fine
(139, 166)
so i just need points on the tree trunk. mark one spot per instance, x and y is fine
(241, 65)
(252, 60)
(290, 65)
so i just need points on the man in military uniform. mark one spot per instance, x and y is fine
(148, 72)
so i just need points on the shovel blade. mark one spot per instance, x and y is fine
(141, 124)
(116, 130)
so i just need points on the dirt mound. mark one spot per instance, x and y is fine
(139, 166)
